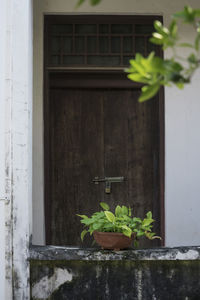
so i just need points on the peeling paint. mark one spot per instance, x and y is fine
(191, 254)
(17, 141)
(47, 285)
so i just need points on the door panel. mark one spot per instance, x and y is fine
(100, 132)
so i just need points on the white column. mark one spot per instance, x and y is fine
(21, 143)
(2, 146)
(2, 250)
(18, 146)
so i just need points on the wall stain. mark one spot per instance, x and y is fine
(113, 280)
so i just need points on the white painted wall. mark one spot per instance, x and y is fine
(2, 148)
(182, 124)
(15, 146)
(8, 148)
(21, 142)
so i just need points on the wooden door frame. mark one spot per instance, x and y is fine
(98, 78)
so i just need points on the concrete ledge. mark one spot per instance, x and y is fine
(54, 253)
(80, 274)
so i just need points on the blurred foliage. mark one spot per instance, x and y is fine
(92, 2)
(153, 71)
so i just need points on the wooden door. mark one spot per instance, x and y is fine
(100, 132)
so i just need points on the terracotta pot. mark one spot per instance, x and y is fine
(112, 240)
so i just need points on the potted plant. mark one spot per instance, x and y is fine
(117, 230)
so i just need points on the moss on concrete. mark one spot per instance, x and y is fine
(113, 280)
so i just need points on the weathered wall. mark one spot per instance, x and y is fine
(158, 280)
(182, 122)
(2, 148)
(136, 275)
(21, 142)
(16, 146)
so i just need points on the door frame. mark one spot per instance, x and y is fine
(96, 78)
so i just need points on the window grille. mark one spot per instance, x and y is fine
(92, 44)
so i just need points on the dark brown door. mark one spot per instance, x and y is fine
(100, 132)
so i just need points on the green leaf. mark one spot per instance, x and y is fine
(126, 230)
(108, 227)
(149, 91)
(149, 215)
(83, 233)
(140, 233)
(147, 222)
(118, 211)
(124, 210)
(176, 67)
(156, 237)
(137, 78)
(151, 56)
(161, 29)
(172, 69)
(110, 216)
(180, 85)
(138, 67)
(187, 15)
(192, 58)
(79, 3)
(157, 65)
(104, 205)
(87, 221)
(82, 216)
(127, 233)
(156, 41)
(173, 29)
(149, 235)
(157, 25)
(99, 215)
(95, 2)
(158, 36)
(185, 45)
(96, 226)
(137, 220)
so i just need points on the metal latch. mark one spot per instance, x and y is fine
(108, 181)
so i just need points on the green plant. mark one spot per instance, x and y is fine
(121, 221)
(155, 72)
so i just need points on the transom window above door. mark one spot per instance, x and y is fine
(109, 41)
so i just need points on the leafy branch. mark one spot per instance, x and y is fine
(153, 71)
